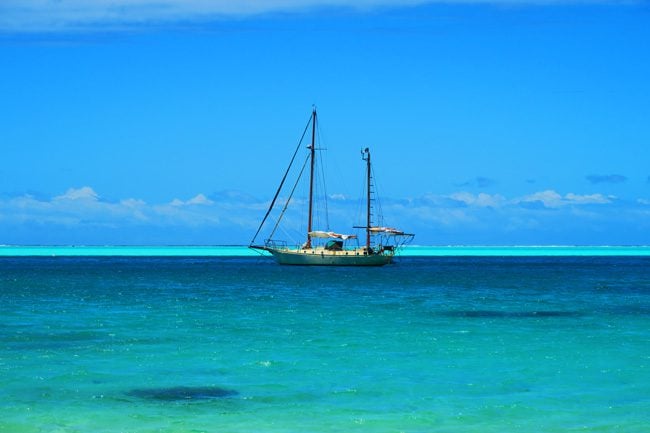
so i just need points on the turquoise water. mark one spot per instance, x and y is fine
(243, 251)
(240, 344)
(128, 251)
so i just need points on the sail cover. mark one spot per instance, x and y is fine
(386, 230)
(330, 235)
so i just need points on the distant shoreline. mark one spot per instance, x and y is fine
(244, 251)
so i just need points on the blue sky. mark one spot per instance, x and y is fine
(169, 122)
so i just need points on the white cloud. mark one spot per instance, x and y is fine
(49, 15)
(549, 198)
(480, 200)
(588, 199)
(449, 217)
(83, 193)
(138, 208)
(430, 199)
(133, 203)
(199, 199)
(552, 199)
(171, 214)
(83, 206)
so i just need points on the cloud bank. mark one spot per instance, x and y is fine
(65, 15)
(82, 216)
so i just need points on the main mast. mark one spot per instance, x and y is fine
(312, 149)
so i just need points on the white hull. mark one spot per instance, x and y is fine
(320, 257)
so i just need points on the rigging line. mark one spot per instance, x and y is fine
(322, 169)
(290, 236)
(290, 196)
(359, 213)
(380, 211)
(320, 189)
(277, 193)
(322, 181)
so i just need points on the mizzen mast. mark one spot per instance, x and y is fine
(366, 157)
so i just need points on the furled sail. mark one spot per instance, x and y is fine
(386, 231)
(330, 235)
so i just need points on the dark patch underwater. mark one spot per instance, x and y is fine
(508, 314)
(182, 393)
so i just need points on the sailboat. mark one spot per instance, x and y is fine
(325, 247)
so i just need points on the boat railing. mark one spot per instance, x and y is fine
(276, 245)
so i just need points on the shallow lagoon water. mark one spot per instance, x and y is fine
(240, 344)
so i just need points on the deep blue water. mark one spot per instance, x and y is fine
(448, 344)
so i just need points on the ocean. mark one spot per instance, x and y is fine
(233, 343)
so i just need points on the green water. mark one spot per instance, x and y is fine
(430, 344)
